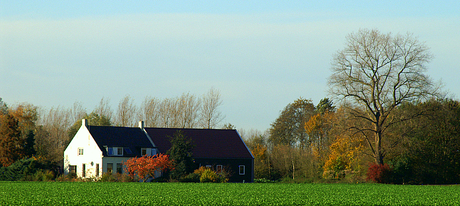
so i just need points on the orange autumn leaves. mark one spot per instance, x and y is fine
(146, 166)
(344, 148)
(16, 126)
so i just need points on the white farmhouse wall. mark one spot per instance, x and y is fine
(92, 155)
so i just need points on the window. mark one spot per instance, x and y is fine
(109, 167)
(80, 151)
(83, 170)
(73, 169)
(219, 168)
(242, 169)
(119, 151)
(209, 166)
(115, 151)
(128, 151)
(97, 169)
(143, 151)
(154, 151)
(119, 168)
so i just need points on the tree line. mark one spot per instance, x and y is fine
(386, 121)
(27, 130)
(325, 146)
(392, 123)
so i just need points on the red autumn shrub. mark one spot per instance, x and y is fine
(378, 173)
(146, 166)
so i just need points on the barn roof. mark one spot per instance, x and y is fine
(209, 143)
(127, 137)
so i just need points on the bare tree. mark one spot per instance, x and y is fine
(126, 112)
(149, 112)
(77, 112)
(52, 138)
(376, 72)
(104, 109)
(165, 112)
(189, 107)
(210, 115)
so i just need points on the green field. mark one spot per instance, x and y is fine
(98, 193)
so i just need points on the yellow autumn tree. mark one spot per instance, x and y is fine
(346, 151)
(318, 129)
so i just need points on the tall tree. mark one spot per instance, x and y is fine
(149, 112)
(376, 73)
(181, 154)
(104, 109)
(126, 112)
(3, 107)
(93, 119)
(430, 144)
(189, 107)
(11, 143)
(325, 105)
(210, 115)
(289, 127)
(168, 113)
(26, 116)
(52, 134)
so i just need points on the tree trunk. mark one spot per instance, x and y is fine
(378, 147)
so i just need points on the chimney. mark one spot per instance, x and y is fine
(141, 124)
(84, 122)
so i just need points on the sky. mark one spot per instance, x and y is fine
(260, 55)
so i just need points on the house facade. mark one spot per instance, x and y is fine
(218, 149)
(102, 149)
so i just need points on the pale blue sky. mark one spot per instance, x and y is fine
(260, 55)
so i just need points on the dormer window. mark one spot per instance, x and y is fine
(119, 151)
(148, 151)
(115, 151)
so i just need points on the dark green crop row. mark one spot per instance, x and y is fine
(98, 193)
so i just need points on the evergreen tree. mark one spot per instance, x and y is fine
(181, 155)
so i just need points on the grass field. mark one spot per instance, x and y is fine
(98, 193)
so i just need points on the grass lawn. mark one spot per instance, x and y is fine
(114, 193)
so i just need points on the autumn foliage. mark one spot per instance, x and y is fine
(146, 166)
(11, 144)
(379, 173)
(209, 175)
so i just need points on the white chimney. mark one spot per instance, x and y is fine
(141, 124)
(84, 122)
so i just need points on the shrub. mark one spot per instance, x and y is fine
(43, 175)
(379, 173)
(192, 177)
(222, 177)
(30, 169)
(208, 175)
(108, 177)
(145, 167)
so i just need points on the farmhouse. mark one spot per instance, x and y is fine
(99, 149)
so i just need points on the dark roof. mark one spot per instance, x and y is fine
(209, 143)
(128, 137)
